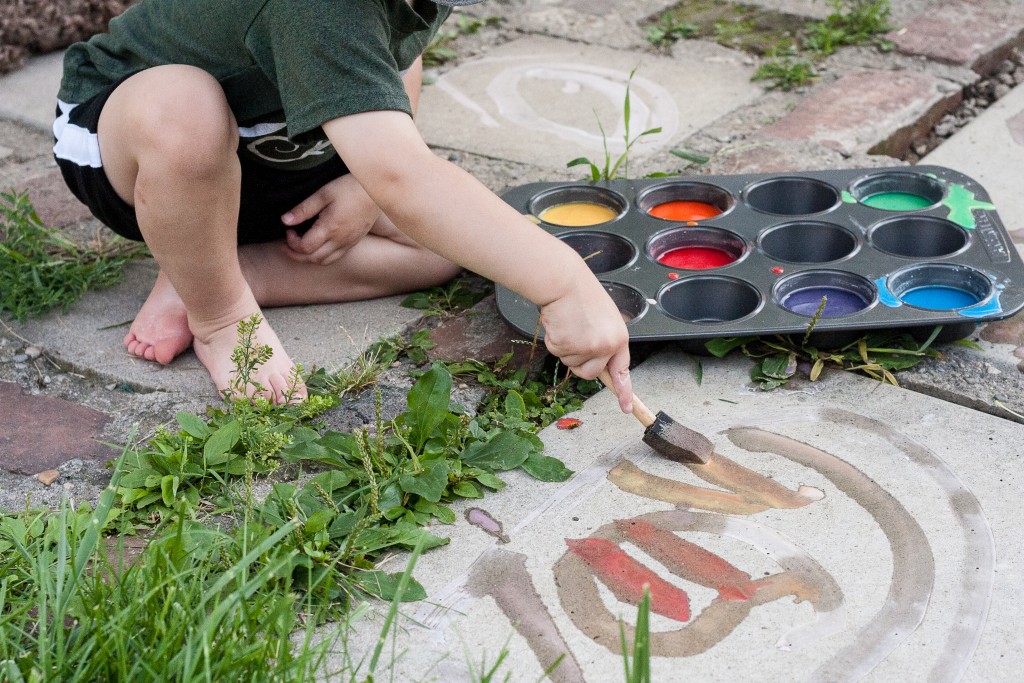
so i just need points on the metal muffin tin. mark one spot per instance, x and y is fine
(789, 238)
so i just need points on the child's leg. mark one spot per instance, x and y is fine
(168, 141)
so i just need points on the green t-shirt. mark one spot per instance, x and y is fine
(286, 66)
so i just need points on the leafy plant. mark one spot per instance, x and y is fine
(40, 269)
(609, 171)
(457, 295)
(878, 355)
(668, 30)
(852, 22)
(439, 50)
(785, 72)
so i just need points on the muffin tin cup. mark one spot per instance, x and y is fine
(603, 252)
(919, 237)
(563, 195)
(898, 191)
(781, 243)
(699, 195)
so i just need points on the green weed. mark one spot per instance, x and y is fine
(639, 670)
(785, 72)
(878, 354)
(609, 171)
(852, 22)
(40, 269)
(457, 295)
(668, 30)
(440, 49)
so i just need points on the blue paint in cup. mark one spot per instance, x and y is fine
(939, 298)
(838, 302)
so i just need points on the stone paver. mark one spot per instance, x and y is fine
(40, 433)
(29, 95)
(53, 201)
(977, 35)
(881, 111)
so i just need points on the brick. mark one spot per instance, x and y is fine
(40, 433)
(481, 334)
(880, 112)
(53, 201)
(969, 33)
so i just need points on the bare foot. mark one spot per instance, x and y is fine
(214, 350)
(160, 331)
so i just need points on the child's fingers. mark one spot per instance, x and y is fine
(307, 208)
(618, 371)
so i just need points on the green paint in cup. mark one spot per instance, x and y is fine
(896, 201)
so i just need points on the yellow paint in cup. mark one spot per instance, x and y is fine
(578, 214)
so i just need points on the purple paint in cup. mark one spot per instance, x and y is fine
(838, 302)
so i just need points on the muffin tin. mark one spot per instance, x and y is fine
(908, 247)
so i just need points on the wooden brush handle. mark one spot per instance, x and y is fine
(640, 411)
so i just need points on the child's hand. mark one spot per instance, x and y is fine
(586, 331)
(345, 214)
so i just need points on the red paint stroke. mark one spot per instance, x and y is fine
(685, 211)
(568, 423)
(778, 270)
(673, 276)
(626, 578)
(696, 258)
(692, 561)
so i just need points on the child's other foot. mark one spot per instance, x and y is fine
(160, 330)
(214, 351)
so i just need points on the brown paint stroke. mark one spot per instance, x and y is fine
(977, 575)
(502, 574)
(913, 568)
(580, 598)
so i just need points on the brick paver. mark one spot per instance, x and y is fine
(53, 201)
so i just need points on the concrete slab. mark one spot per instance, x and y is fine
(538, 100)
(88, 337)
(29, 95)
(843, 530)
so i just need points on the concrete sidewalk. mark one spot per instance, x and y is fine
(872, 533)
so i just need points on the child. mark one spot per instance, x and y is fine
(265, 151)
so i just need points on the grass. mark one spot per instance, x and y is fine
(42, 270)
(229, 587)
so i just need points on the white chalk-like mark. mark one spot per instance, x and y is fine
(486, 119)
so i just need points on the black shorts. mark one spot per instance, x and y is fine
(266, 194)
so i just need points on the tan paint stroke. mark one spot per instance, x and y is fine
(913, 566)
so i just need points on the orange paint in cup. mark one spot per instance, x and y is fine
(682, 210)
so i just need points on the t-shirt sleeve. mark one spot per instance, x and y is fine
(328, 58)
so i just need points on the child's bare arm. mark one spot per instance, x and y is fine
(451, 213)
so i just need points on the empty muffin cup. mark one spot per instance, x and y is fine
(898, 191)
(844, 293)
(791, 196)
(709, 299)
(696, 248)
(578, 206)
(685, 201)
(631, 303)
(807, 242)
(918, 236)
(940, 286)
(602, 251)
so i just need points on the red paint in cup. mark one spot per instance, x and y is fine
(696, 258)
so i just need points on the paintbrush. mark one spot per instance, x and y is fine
(665, 435)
